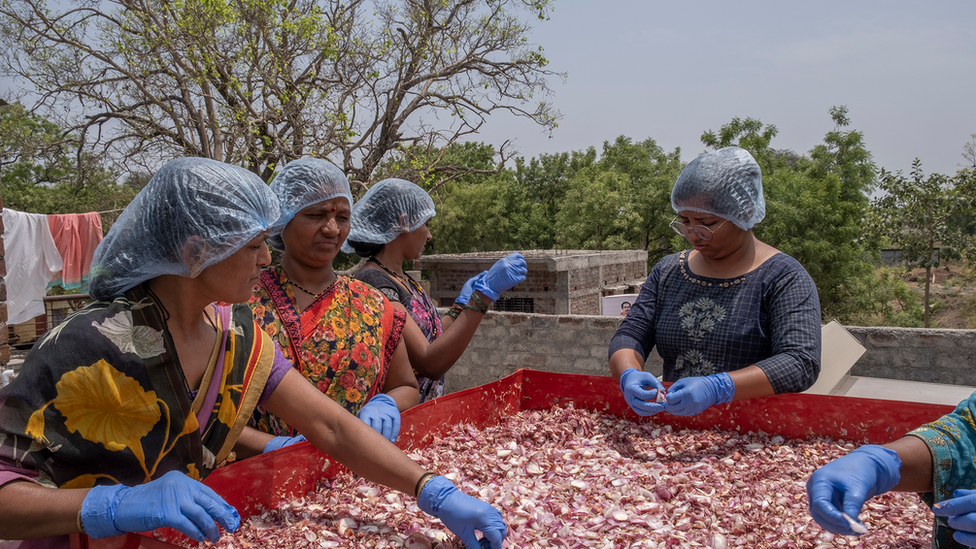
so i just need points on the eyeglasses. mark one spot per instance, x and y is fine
(700, 231)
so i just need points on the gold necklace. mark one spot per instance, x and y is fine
(684, 273)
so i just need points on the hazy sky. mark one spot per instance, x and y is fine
(670, 71)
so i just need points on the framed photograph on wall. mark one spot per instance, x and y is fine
(616, 305)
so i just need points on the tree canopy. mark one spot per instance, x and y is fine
(258, 83)
(42, 172)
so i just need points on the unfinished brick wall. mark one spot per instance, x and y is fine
(558, 281)
(4, 345)
(622, 272)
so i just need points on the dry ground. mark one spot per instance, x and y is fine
(951, 295)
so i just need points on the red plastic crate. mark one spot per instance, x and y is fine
(294, 470)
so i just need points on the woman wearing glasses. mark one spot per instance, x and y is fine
(732, 318)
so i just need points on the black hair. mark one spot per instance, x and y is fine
(365, 249)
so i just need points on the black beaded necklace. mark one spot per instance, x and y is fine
(311, 293)
(406, 281)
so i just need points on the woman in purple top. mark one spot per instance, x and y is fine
(733, 318)
(390, 226)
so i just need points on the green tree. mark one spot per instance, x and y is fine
(915, 214)
(40, 173)
(541, 184)
(260, 83)
(597, 212)
(651, 172)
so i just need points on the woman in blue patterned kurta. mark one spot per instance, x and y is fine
(938, 460)
(733, 318)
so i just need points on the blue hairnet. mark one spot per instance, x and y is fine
(390, 208)
(302, 183)
(223, 206)
(726, 183)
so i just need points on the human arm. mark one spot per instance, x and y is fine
(843, 485)
(936, 459)
(792, 306)
(400, 392)
(401, 383)
(29, 510)
(434, 359)
(251, 443)
(331, 429)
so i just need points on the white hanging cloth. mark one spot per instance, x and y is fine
(32, 262)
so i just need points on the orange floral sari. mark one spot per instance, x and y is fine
(342, 343)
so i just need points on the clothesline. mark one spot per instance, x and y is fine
(110, 211)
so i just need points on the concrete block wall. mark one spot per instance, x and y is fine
(506, 342)
(578, 344)
(917, 354)
(558, 281)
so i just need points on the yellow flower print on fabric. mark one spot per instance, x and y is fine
(339, 326)
(106, 406)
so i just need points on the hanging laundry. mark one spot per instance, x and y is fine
(76, 236)
(32, 260)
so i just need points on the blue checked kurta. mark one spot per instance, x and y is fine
(771, 318)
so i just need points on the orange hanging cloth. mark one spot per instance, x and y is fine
(76, 236)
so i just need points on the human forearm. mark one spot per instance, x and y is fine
(624, 359)
(405, 397)
(251, 443)
(332, 429)
(436, 358)
(751, 382)
(29, 511)
(916, 464)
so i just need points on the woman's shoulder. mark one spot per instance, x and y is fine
(782, 262)
(386, 284)
(667, 264)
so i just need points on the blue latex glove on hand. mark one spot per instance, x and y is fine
(462, 514)
(961, 512)
(281, 442)
(690, 396)
(381, 413)
(468, 288)
(173, 500)
(843, 485)
(505, 273)
(641, 400)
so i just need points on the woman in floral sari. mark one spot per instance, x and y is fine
(119, 412)
(341, 334)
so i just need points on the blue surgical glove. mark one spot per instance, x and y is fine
(641, 400)
(173, 500)
(690, 396)
(462, 514)
(381, 413)
(281, 442)
(961, 512)
(505, 273)
(468, 288)
(843, 485)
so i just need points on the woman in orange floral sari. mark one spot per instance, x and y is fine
(343, 335)
(120, 411)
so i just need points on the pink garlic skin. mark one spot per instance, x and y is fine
(576, 478)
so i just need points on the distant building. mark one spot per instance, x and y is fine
(558, 281)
